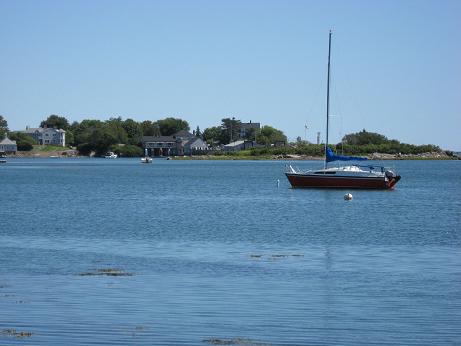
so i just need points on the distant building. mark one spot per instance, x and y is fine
(195, 146)
(234, 146)
(245, 128)
(7, 146)
(179, 144)
(49, 136)
(159, 145)
(239, 145)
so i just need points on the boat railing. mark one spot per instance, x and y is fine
(290, 169)
(375, 168)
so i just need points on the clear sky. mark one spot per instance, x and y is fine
(396, 65)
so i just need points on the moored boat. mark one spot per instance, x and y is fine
(146, 158)
(351, 176)
(110, 155)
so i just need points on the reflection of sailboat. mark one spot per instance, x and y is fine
(146, 158)
(353, 176)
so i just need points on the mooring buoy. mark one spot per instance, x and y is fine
(348, 196)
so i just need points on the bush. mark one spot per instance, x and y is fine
(85, 149)
(128, 150)
(23, 141)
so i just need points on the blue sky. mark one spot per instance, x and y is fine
(395, 64)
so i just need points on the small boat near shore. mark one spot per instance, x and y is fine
(110, 155)
(352, 176)
(146, 158)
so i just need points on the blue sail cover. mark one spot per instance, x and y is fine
(331, 156)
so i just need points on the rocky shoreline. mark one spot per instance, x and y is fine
(293, 157)
(383, 156)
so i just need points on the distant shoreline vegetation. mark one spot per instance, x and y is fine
(124, 137)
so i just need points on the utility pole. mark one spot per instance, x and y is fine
(231, 123)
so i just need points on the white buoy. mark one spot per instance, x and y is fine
(348, 196)
(278, 182)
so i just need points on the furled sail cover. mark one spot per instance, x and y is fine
(331, 156)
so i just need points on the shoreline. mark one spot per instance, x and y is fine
(374, 156)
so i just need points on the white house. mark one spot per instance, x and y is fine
(8, 146)
(47, 136)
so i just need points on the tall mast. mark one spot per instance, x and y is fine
(328, 98)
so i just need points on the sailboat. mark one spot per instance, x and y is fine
(351, 176)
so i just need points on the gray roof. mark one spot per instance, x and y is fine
(32, 130)
(42, 129)
(158, 139)
(183, 133)
(234, 144)
(7, 141)
(195, 140)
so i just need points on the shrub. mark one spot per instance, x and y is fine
(128, 150)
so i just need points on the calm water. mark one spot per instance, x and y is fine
(219, 254)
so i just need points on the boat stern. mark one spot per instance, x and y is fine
(392, 179)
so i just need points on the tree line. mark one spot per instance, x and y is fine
(125, 136)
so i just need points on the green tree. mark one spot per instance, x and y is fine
(55, 121)
(128, 150)
(102, 139)
(150, 128)
(133, 130)
(69, 138)
(198, 133)
(169, 126)
(230, 130)
(3, 127)
(83, 131)
(114, 127)
(364, 137)
(269, 135)
(23, 141)
(98, 136)
(212, 134)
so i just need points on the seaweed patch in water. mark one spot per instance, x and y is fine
(235, 341)
(275, 256)
(16, 334)
(107, 272)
